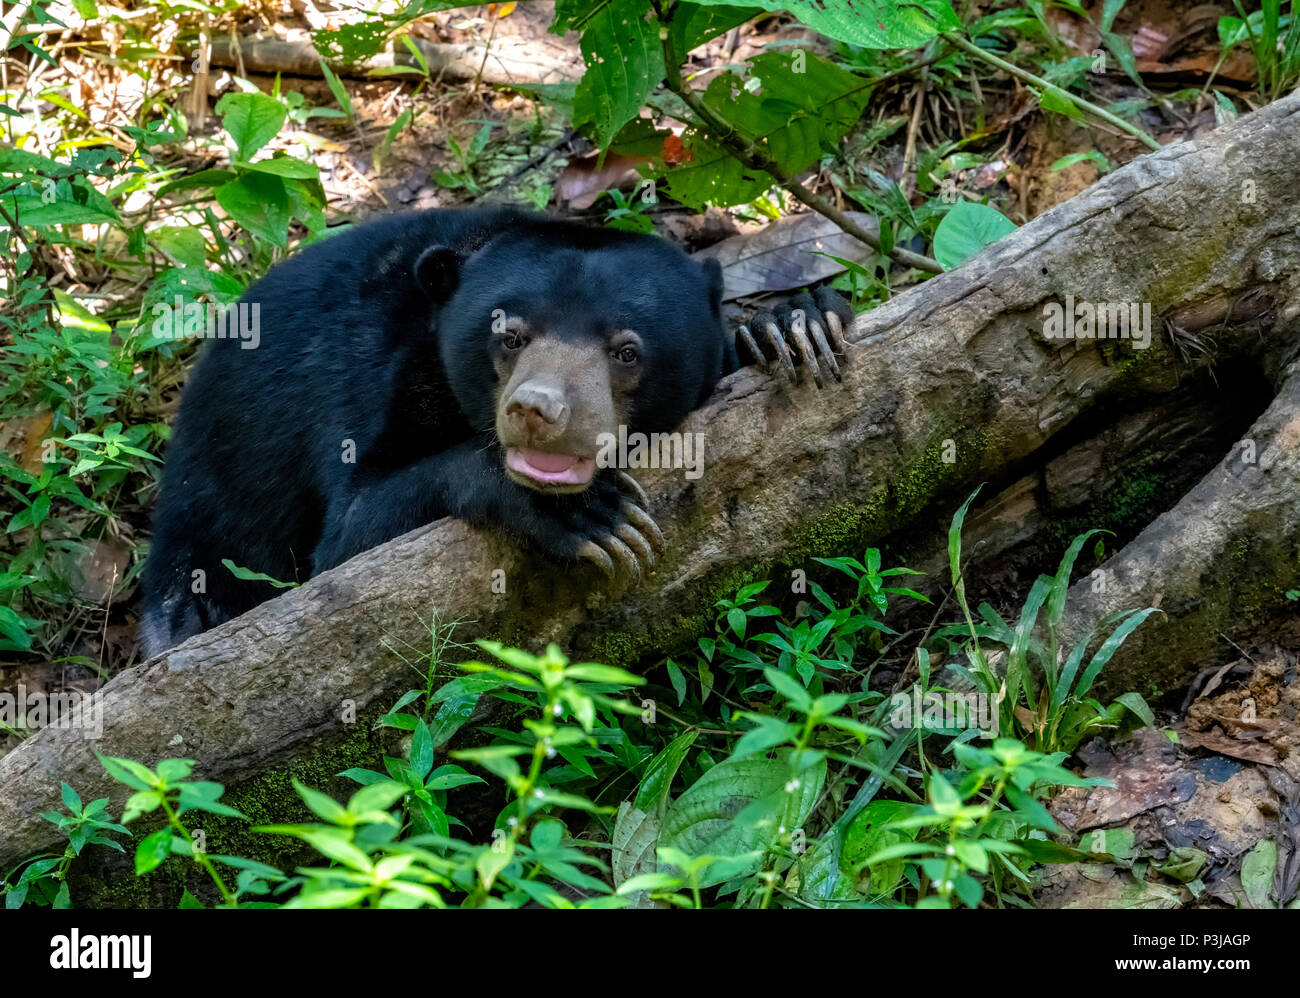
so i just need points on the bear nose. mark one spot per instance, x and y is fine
(538, 409)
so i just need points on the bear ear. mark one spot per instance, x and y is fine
(437, 271)
(713, 278)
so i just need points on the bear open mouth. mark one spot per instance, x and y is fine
(550, 469)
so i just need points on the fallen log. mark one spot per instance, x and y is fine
(947, 386)
(506, 60)
(1217, 564)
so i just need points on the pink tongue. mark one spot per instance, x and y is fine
(551, 463)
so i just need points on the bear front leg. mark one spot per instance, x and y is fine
(607, 524)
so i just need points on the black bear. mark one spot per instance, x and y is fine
(443, 363)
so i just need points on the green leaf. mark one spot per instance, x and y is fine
(141, 802)
(693, 24)
(594, 673)
(492, 861)
(369, 803)
(794, 106)
(174, 770)
(70, 799)
(421, 757)
(1061, 581)
(282, 166)
(1257, 873)
(129, 772)
(248, 575)
(788, 688)
(260, 203)
(954, 537)
(873, 24)
(966, 229)
(732, 810)
(322, 805)
(452, 715)
(1065, 162)
(252, 120)
(658, 778)
(34, 211)
(22, 161)
(152, 850)
(1138, 706)
(450, 777)
(203, 795)
(766, 733)
(1053, 98)
(870, 833)
(624, 61)
(13, 628)
(678, 679)
(182, 243)
(1108, 649)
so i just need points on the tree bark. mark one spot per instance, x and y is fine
(507, 60)
(949, 385)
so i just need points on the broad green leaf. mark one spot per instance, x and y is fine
(252, 120)
(259, 203)
(874, 24)
(868, 834)
(734, 807)
(795, 106)
(966, 229)
(624, 60)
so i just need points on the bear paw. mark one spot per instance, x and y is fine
(810, 328)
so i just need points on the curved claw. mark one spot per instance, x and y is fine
(830, 304)
(798, 332)
(629, 535)
(773, 333)
(594, 553)
(836, 330)
(824, 348)
(744, 336)
(643, 522)
(629, 484)
(625, 557)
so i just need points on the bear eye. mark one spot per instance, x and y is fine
(626, 355)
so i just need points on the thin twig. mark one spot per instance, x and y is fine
(970, 48)
(751, 156)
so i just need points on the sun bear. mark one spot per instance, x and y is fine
(444, 363)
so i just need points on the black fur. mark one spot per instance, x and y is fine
(380, 336)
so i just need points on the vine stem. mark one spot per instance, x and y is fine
(173, 819)
(756, 159)
(970, 48)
